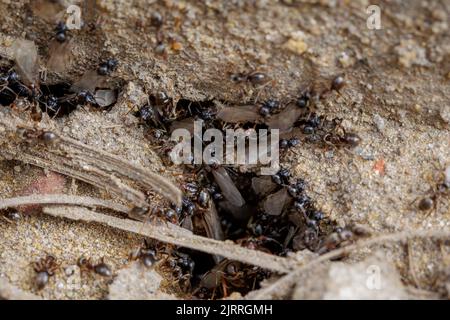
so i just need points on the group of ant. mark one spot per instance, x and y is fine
(47, 267)
(274, 234)
(24, 79)
(180, 265)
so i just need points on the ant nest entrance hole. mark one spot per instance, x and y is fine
(57, 99)
(53, 100)
(296, 225)
(275, 214)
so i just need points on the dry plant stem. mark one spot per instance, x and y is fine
(10, 292)
(60, 199)
(142, 176)
(178, 236)
(412, 269)
(94, 177)
(69, 155)
(286, 282)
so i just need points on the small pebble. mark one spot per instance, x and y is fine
(379, 122)
(445, 114)
(296, 46)
(69, 271)
(345, 60)
(329, 154)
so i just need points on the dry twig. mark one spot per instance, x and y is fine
(178, 236)
(73, 158)
(61, 199)
(287, 281)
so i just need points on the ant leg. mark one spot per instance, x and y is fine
(129, 111)
(10, 90)
(144, 224)
(414, 201)
(43, 75)
(327, 140)
(189, 107)
(7, 219)
(435, 206)
(57, 112)
(224, 288)
(261, 88)
(254, 284)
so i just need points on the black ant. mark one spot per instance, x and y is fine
(85, 96)
(297, 188)
(200, 195)
(146, 254)
(10, 77)
(156, 19)
(12, 216)
(338, 83)
(45, 268)
(261, 243)
(282, 177)
(60, 32)
(101, 268)
(153, 214)
(162, 99)
(431, 202)
(254, 78)
(269, 107)
(151, 115)
(82, 97)
(106, 68)
(11, 82)
(304, 99)
(214, 192)
(347, 139)
(342, 237)
(312, 124)
(182, 268)
(31, 135)
(224, 275)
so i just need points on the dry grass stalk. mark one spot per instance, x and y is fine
(285, 283)
(60, 199)
(178, 236)
(73, 158)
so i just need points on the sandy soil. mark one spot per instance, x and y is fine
(397, 99)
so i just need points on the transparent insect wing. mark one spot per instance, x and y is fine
(275, 203)
(26, 57)
(285, 119)
(188, 224)
(229, 190)
(212, 223)
(187, 124)
(89, 81)
(211, 279)
(239, 114)
(60, 57)
(263, 185)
